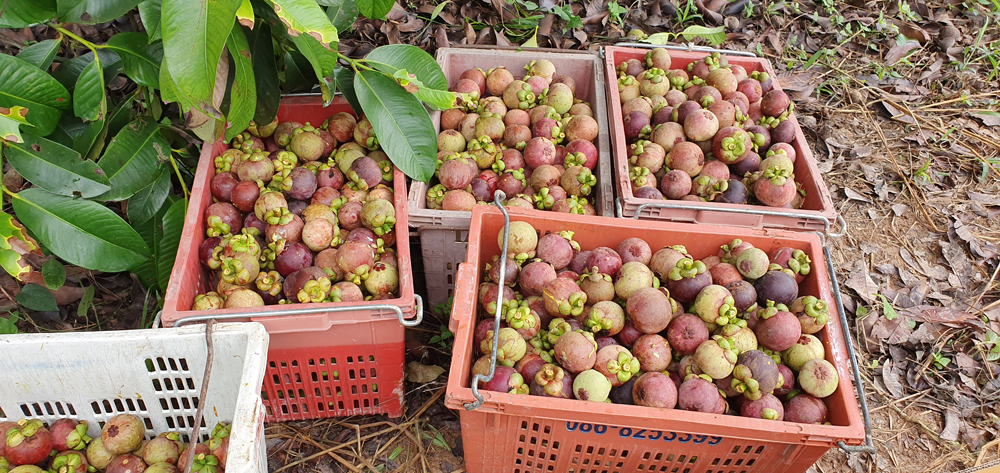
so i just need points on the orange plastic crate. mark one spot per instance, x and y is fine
(817, 208)
(538, 434)
(321, 364)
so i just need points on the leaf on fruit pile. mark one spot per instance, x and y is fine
(421, 373)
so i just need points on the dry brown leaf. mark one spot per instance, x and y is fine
(892, 380)
(441, 37)
(501, 38)
(893, 331)
(862, 282)
(897, 52)
(951, 317)
(951, 424)
(989, 119)
(855, 195)
(420, 373)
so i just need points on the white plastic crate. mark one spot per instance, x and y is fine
(154, 374)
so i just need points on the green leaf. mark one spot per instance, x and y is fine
(11, 262)
(342, 13)
(8, 325)
(151, 232)
(296, 75)
(533, 41)
(86, 301)
(306, 17)
(90, 103)
(392, 57)
(56, 168)
(714, 36)
(10, 259)
(322, 60)
(21, 83)
(95, 11)
(38, 298)
(23, 13)
(79, 231)
(438, 9)
(69, 71)
(53, 274)
(149, 13)
(345, 84)
(120, 116)
(74, 133)
(140, 60)
(887, 310)
(148, 200)
(173, 224)
(132, 158)
(243, 93)
(400, 122)
(11, 120)
(374, 9)
(194, 34)
(40, 54)
(265, 74)
(244, 14)
(437, 99)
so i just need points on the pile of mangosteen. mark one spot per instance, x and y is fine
(527, 136)
(298, 218)
(727, 332)
(712, 132)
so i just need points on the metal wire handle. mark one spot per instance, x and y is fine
(763, 211)
(686, 47)
(497, 199)
(418, 303)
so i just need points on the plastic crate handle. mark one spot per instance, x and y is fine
(418, 308)
(499, 197)
(460, 304)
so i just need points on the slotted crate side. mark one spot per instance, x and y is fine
(584, 66)
(443, 250)
(535, 444)
(788, 447)
(818, 203)
(153, 374)
(362, 377)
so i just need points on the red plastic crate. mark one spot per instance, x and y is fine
(817, 207)
(538, 434)
(321, 364)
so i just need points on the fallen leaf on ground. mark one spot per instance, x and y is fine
(893, 331)
(862, 282)
(64, 295)
(943, 315)
(891, 379)
(950, 431)
(988, 118)
(420, 373)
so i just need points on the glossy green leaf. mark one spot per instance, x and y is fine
(53, 274)
(56, 168)
(69, 71)
(35, 297)
(194, 34)
(10, 259)
(401, 124)
(23, 13)
(149, 13)
(89, 102)
(374, 9)
(94, 11)
(322, 60)
(296, 73)
(140, 60)
(244, 14)
(23, 84)
(265, 73)
(148, 200)
(132, 158)
(342, 13)
(437, 99)
(166, 252)
(40, 54)
(11, 120)
(243, 93)
(80, 231)
(151, 232)
(305, 17)
(345, 84)
(714, 36)
(74, 133)
(392, 57)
